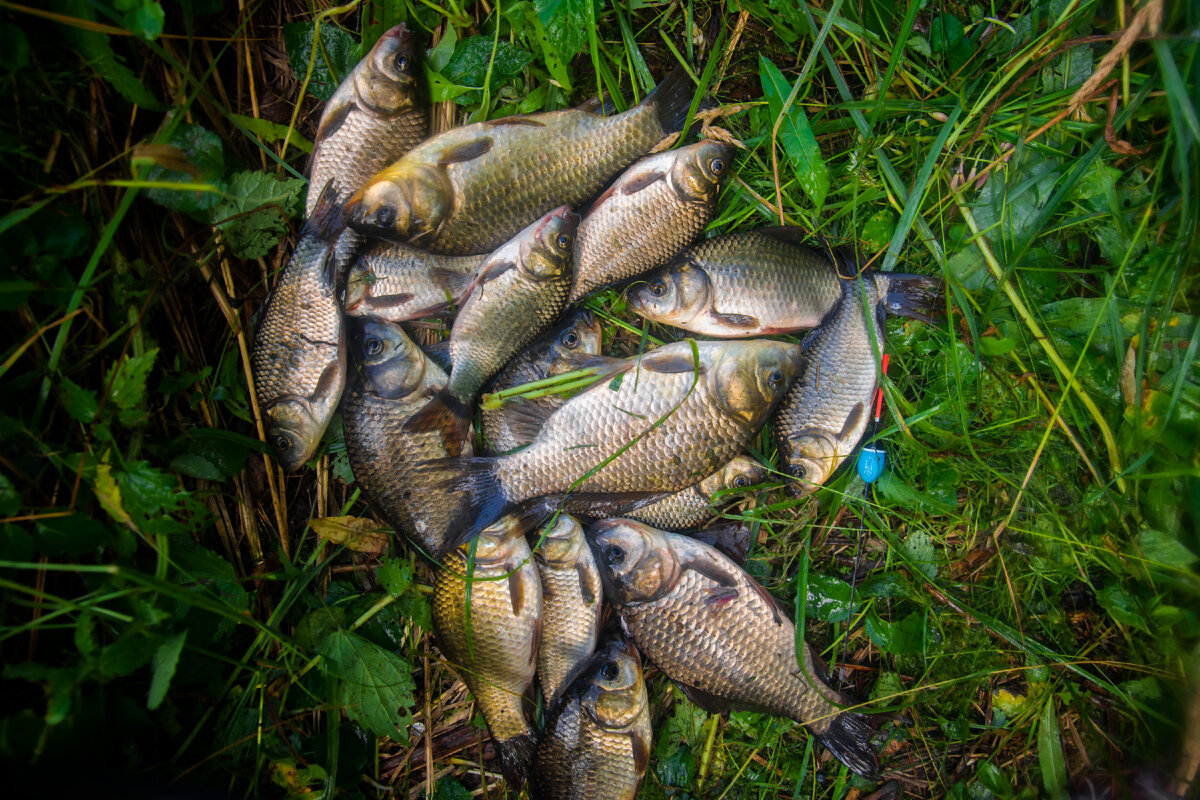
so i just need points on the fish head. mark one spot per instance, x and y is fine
(546, 255)
(562, 543)
(391, 363)
(615, 693)
(294, 431)
(701, 169)
(673, 294)
(578, 336)
(635, 560)
(751, 377)
(496, 543)
(740, 473)
(386, 83)
(408, 202)
(810, 457)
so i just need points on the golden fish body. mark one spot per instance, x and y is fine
(597, 740)
(559, 351)
(719, 635)
(571, 602)
(519, 292)
(375, 116)
(299, 353)
(495, 653)
(472, 188)
(397, 282)
(696, 504)
(392, 380)
(826, 412)
(710, 401)
(650, 213)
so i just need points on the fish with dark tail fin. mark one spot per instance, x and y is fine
(376, 115)
(299, 353)
(720, 636)
(766, 282)
(666, 420)
(470, 189)
(517, 293)
(495, 652)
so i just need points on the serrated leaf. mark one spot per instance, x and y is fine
(131, 650)
(336, 56)
(97, 51)
(360, 534)
(109, 494)
(144, 18)
(1163, 549)
(1050, 753)
(126, 380)
(469, 65)
(376, 686)
(1122, 606)
(828, 598)
(147, 490)
(796, 134)
(270, 131)
(906, 637)
(166, 658)
(82, 404)
(919, 548)
(253, 214)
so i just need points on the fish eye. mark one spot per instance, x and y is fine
(610, 671)
(282, 443)
(570, 339)
(659, 288)
(385, 217)
(373, 346)
(800, 471)
(741, 482)
(564, 241)
(613, 555)
(775, 378)
(402, 62)
(717, 165)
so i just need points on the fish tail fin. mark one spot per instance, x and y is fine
(481, 498)
(516, 756)
(915, 296)
(672, 98)
(447, 414)
(848, 737)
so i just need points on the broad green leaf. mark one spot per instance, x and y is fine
(213, 454)
(888, 688)
(82, 404)
(469, 65)
(14, 47)
(336, 56)
(897, 490)
(566, 26)
(109, 494)
(395, 575)
(73, 535)
(995, 781)
(991, 346)
(919, 548)
(376, 686)
(148, 490)
(945, 31)
(1050, 753)
(142, 17)
(59, 686)
(166, 658)
(906, 637)
(253, 215)
(10, 501)
(131, 650)
(878, 230)
(318, 624)
(1122, 606)
(192, 154)
(270, 131)
(1163, 549)
(439, 55)
(796, 135)
(886, 584)
(126, 383)
(15, 543)
(97, 51)
(828, 598)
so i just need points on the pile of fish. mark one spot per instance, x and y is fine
(504, 226)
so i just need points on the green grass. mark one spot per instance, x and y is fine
(1016, 597)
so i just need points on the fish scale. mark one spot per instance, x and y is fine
(398, 282)
(826, 412)
(571, 603)
(693, 506)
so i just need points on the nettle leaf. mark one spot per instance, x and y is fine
(166, 658)
(376, 686)
(253, 215)
(566, 25)
(796, 134)
(126, 383)
(828, 598)
(192, 154)
(336, 56)
(395, 575)
(469, 65)
(143, 17)
(919, 547)
(1122, 606)
(82, 404)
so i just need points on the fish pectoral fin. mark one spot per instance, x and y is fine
(705, 700)
(719, 598)
(642, 181)
(589, 583)
(640, 746)
(467, 151)
(667, 363)
(743, 321)
(712, 569)
(492, 270)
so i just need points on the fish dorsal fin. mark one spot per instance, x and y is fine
(788, 234)
(514, 120)
(636, 184)
(467, 151)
